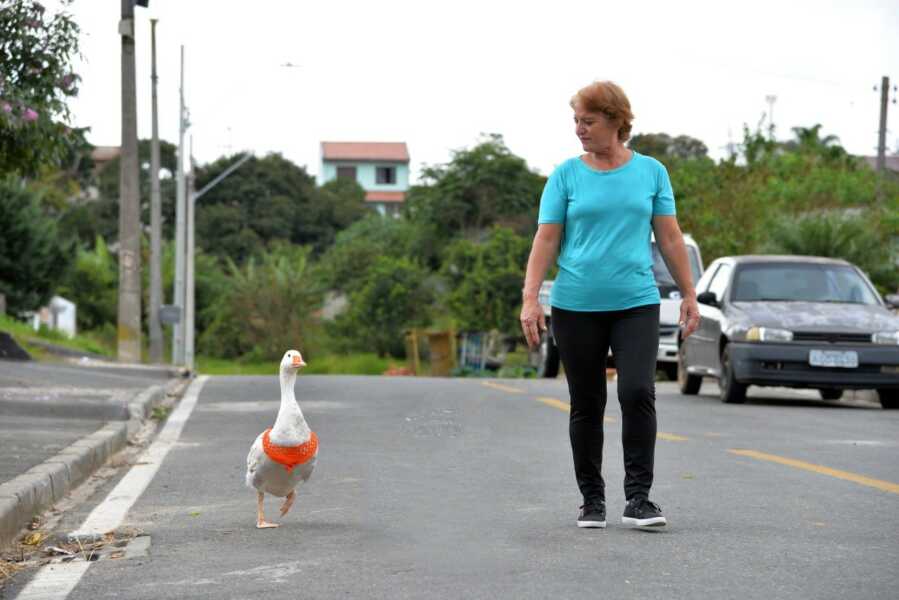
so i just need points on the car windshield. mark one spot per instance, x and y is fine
(660, 269)
(801, 282)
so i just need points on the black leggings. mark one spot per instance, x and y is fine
(584, 339)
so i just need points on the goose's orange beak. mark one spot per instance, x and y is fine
(298, 362)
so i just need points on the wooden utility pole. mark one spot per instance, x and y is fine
(882, 137)
(882, 132)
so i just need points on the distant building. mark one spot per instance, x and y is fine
(58, 316)
(101, 157)
(891, 162)
(381, 168)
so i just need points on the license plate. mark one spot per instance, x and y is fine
(833, 358)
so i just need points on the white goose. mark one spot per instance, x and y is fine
(284, 456)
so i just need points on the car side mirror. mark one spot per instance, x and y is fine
(892, 300)
(707, 298)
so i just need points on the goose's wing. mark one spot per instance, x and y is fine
(254, 460)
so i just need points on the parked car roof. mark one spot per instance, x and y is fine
(785, 258)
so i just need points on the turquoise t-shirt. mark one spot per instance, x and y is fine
(605, 260)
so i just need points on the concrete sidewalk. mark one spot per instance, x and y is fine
(59, 422)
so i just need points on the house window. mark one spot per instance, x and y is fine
(346, 173)
(385, 175)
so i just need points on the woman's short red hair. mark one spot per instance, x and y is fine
(607, 98)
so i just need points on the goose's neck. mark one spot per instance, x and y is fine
(290, 423)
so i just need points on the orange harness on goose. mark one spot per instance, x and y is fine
(290, 456)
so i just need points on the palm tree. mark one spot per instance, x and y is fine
(809, 141)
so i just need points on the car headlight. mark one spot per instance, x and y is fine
(768, 334)
(886, 337)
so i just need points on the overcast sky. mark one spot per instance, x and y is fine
(437, 74)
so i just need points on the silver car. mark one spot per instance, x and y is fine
(795, 321)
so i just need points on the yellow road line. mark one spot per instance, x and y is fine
(885, 486)
(555, 403)
(564, 406)
(671, 437)
(505, 388)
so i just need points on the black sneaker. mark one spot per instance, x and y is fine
(593, 514)
(640, 512)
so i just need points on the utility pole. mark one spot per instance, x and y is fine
(189, 267)
(155, 221)
(882, 136)
(178, 300)
(882, 132)
(129, 331)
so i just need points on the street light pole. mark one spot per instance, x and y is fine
(189, 267)
(129, 309)
(155, 220)
(178, 300)
(189, 303)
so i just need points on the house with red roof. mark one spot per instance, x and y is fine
(381, 168)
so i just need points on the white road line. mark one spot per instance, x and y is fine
(55, 582)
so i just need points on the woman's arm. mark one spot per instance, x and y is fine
(543, 252)
(674, 251)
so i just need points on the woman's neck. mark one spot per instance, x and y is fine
(609, 158)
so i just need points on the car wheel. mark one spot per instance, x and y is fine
(688, 384)
(831, 394)
(732, 392)
(545, 357)
(889, 398)
(670, 371)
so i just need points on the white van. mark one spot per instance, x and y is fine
(545, 358)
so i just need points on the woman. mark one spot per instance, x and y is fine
(598, 211)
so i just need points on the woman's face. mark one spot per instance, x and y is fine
(595, 130)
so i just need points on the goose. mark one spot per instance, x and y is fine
(283, 456)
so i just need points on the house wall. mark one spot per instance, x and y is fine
(365, 175)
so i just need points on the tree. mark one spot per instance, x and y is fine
(86, 220)
(92, 284)
(267, 306)
(267, 200)
(32, 254)
(342, 203)
(359, 246)
(485, 279)
(392, 298)
(478, 188)
(734, 208)
(36, 51)
(663, 147)
(857, 239)
(809, 141)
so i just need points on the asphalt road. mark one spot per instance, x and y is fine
(439, 488)
(44, 407)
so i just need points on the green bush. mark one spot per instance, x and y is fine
(391, 298)
(857, 239)
(92, 284)
(33, 258)
(484, 281)
(267, 307)
(359, 246)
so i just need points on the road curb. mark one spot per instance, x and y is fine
(27, 495)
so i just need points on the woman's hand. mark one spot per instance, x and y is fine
(689, 316)
(533, 323)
